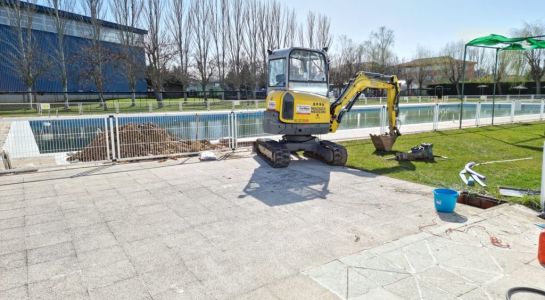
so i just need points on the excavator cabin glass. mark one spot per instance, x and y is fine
(299, 69)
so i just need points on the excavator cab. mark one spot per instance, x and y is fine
(299, 69)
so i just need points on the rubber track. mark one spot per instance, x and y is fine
(280, 154)
(340, 155)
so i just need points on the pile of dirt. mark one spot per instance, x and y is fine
(138, 140)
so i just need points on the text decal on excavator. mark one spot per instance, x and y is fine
(303, 109)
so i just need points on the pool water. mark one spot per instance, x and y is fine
(64, 135)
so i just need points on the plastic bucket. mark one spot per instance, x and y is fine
(445, 200)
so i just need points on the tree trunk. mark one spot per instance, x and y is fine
(133, 98)
(65, 95)
(159, 98)
(30, 97)
(538, 87)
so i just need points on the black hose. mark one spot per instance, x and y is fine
(523, 289)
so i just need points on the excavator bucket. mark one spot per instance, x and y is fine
(383, 142)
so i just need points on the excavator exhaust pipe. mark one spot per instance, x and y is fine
(383, 142)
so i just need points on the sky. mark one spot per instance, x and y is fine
(428, 23)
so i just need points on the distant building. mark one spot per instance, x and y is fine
(77, 37)
(433, 69)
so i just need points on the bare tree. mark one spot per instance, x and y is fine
(379, 49)
(158, 47)
(290, 28)
(26, 58)
(219, 16)
(180, 27)
(534, 57)
(311, 30)
(251, 29)
(422, 70)
(452, 63)
(200, 12)
(235, 39)
(323, 32)
(128, 13)
(59, 56)
(95, 55)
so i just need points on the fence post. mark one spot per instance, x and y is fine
(181, 106)
(541, 109)
(207, 104)
(80, 108)
(118, 144)
(419, 99)
(112, 142)
(365, 100)
(256, 104)
(358, 120)
(235, 125)
(150, 107)
(512, 112)
(116, 105)
(542, 195)
(382, 121)
(107, 138)
(436, 117)
(478, 114)
(380, 100)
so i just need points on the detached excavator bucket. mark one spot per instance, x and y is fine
(383, 142)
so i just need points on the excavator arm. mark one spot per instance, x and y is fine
(353, 90)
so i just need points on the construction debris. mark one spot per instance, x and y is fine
(514, 192)
(422, 152)
(207, 155)
(139, 140)
(479, 178)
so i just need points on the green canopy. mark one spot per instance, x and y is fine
(505, 43)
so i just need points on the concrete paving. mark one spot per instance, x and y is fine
(238, 229)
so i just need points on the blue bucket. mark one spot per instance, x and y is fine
(445, 200)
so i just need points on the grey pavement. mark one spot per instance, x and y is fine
(238, 229)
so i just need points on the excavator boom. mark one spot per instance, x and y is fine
(356, 86)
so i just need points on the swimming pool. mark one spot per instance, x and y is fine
(63, 135)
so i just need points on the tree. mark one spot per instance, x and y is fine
(128, 13)
(26, 58)
(452, 63)
(235, 38)
(157, 47)
(311, 30)
(379, 49)
(534, 57)
(251, 29)
(95, 55)
(323, 32)
(200, 12)
(423, 71)
(180, 27)
(59, 56)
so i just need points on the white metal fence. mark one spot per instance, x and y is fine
(63, 140)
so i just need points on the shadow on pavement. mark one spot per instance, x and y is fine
(452, 217)
(303, 180)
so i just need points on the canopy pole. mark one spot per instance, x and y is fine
(495, 83)
(463, 83)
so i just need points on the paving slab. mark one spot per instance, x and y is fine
(238, 229)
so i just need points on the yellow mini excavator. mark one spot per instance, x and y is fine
(298, 107)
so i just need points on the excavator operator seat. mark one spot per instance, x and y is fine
(299, 69)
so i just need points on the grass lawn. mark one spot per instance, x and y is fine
(482, 144)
